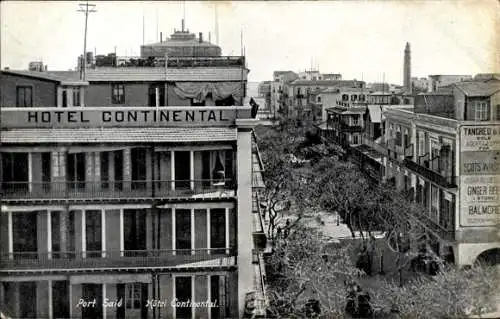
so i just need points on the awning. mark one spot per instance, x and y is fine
(110, 279)
(200, 90)
(119, 135)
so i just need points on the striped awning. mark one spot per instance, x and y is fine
(119, 134)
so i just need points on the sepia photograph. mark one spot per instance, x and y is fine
(250, 159)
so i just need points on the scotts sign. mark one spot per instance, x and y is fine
(122, 117)
(479, 175)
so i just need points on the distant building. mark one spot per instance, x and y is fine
(332, 76)
(181, 44)
(37, 66)
(443, 154)
(442, 80)
(278, 94)
(420, 84)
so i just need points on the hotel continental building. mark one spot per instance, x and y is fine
(129, 194)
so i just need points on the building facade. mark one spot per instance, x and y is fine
(440, 80)
(443, 154)
(129, 194)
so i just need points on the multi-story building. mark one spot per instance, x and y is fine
(299, 93)
(278, 94)
(444, 153)
(129, 194)
(437, 81)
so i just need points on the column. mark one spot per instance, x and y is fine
(208, 230)
(126, 169)
(192, 233)
(209, 296)
(172, 168)
(82, 94)
(30, 172)
(173, 232)
(191, 169)
(63, 230)
(70, 295)
(59, 96)
(122, 239)
(97, 170)
(103, 233)
(9, 235)
(226, 220)
(193, 295)
(244, 211)
(51, 310)
(84, 235)
(69, 96)
(104, 296)
(49, 234)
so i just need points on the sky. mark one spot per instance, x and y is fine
(359, 39)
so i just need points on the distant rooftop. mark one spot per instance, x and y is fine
(478, 88)
(353, 83)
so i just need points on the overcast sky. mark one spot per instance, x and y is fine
(358, 39)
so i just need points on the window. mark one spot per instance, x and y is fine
(133, 296)
(75, 170)
(24, 233)
(14, 169)
(93, 232)
(498, 112)
(355, 120)
(183, 231)
(355, 139)
(64, 98)
(354, 97)
(138, 159)
(481, 110)
(24, 96)
(319, 99)
(218, 230)
(361, 97)
(134, 228)
(118, 94)
(183, 293)
(153, 88)
(345, 97)
(76, 96)
(406, 138)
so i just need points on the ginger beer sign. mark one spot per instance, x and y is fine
(479, 175)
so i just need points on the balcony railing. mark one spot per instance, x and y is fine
(117, 189)
(173, 62)
(164, 258)
(426, 171)
(351, 128)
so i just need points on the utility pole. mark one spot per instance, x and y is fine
(86, 8)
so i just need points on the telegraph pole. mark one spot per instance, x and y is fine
(86, 8)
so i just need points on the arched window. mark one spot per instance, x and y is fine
(345, 97)
(362, 97)
(354, 97)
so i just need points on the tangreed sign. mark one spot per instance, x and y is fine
(479, 175)
(124, 117)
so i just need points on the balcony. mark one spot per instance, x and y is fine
(129, 259)
(75, 191)
(409, 152)
(425, 169)
(351, 128)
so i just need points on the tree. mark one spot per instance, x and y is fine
(454, 293)
(304, 271)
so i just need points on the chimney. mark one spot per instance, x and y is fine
(201, 37)
(182, 25)
(161, 37)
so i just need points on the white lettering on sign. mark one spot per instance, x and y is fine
(479, 175)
